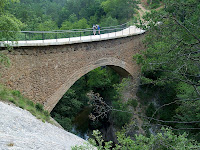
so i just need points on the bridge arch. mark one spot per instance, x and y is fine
(121, 67)
(44, 72)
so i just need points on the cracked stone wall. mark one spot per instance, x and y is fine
(45, 73)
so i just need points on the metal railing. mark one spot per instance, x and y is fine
(59, 34)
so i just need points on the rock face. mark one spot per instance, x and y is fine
(19, 130)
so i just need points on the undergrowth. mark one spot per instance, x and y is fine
(19, 100)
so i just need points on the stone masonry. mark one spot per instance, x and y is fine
(45, 73)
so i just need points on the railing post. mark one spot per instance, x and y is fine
(115, 32)
(80, 35)
(29, 35)
(69, 36)
(43, 37)
(56, 37)
(91, 36)
(25, 37)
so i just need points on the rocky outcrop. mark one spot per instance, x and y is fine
(19, 130)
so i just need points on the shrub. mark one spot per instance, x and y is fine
(12, 100)
(21, 103)
(16, 93)
(46, 113)
(32, 111)
(39, 107)
(3, 94)
(133, 102)
(150, 110)
(30, 103)
(121, 117)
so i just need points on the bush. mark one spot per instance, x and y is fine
(150, 110)
(32, 111)
(133, 102)
(12, 100)
(46, 113)
(16, 93)
(120, 118)
(163, 140)
(3, 94)
(21, 103)
(39, 107)
(17, 98)
(30, 103)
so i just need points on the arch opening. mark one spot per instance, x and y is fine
(100, 80)
(121, 67)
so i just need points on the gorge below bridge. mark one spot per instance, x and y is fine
(43, 70)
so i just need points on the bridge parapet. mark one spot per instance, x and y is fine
(72, 36)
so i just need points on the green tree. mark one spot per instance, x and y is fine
(47, 25)
(108, 21)
(4, 3)
(122, 116)
(172, 56)
(166, 140)
(8, 23)
(66, 25)
(119, 8)
(81, 24)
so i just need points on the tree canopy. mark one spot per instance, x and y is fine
(171, 60)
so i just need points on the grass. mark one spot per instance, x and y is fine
(19, 100)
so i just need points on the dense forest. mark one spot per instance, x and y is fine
(169, 90)
(47, 15)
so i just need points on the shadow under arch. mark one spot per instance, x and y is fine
(123, 68)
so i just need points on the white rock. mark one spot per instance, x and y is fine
(20, 130)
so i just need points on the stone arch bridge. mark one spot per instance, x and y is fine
(44, 70)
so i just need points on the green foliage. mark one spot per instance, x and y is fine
(133, 102)
(154, 3)
(121, 116)
(47, 25)
(66, 109)
(119, 8)
(16, 93)
(120, 87)
(164, 140)
(81, 24)
(39, 107)
(150, 110)
(4, 3)
(9, 23)
(108, 21)
(65, 122)
(4, 60)
(170, 64)
(104, 85)
(74, 100)
(17, 98)
(69, 14)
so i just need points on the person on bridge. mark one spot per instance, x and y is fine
(94, 29)
(98, 28)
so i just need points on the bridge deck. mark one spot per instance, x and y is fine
(132, 30)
